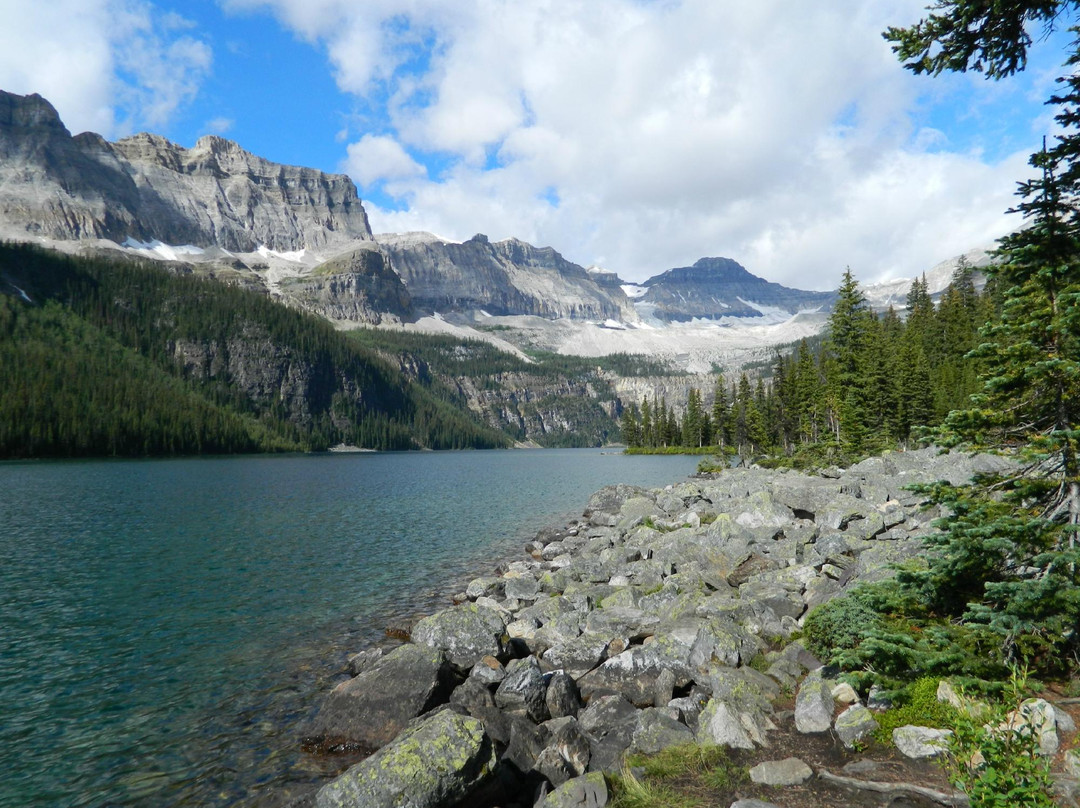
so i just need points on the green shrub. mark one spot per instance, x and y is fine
(998, 766)
(838, 625)
(918, 706)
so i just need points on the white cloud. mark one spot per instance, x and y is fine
(219, 126)
(375, 158)
(108, 66)
(636, 135)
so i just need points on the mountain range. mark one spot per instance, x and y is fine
(304, 236)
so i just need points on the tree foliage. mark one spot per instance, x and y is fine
(104, 357)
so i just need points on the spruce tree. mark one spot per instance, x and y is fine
(1006, 563)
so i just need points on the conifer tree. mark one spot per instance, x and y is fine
(1007, 561)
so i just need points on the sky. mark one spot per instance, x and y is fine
(634, 135)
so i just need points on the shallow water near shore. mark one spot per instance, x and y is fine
(165, 626)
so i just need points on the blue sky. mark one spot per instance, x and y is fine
(635, 135)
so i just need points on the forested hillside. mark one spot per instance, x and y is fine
(550, 399)
(108, 358)
(874, 382)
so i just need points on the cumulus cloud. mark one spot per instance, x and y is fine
(376, 158)
(635, 135)
(109, 66)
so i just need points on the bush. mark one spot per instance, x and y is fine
(998, 765)
(838, 625)
(920, 707)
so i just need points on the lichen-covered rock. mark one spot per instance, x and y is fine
(787, 772)
(578, 655)
(587, 791)
(609, 722)
(369, 710)
(466, 634)
(921, 742)
(814, 705)
(854, 724)
(434, 763)
(1037, 717)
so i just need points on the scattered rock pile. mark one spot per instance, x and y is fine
(631, 630)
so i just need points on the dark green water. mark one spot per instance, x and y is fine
(167, 626)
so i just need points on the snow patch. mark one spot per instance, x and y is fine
(162, 250)
(22, 294)
(633, 292)
(296, 256)
(613, 324)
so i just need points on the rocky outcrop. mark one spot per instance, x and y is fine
(501, 278)
(145, 187)
(720, 287)
(358, 286)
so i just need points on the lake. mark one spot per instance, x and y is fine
(166, 626)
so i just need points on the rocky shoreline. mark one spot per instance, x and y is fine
(633, 629)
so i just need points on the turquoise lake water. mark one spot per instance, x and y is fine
(167, 626)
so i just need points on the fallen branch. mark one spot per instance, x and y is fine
(957, 799)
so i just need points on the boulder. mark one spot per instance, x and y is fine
(587, 791)
(488, 671)
(787, 772)
(434, 763)
(465, 633)
(854, 724)
(633, 673)
(621, 621)
(577, 655)
(563, 698)
(368, 711)
(921, 742)
(523, 689)
(814, 705)
(567, 755)
(361, 661)
(609, 723)
(656, 731)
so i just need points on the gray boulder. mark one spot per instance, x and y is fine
(523, 689)
(369, 710)
(434, 763)
(587, 791)
(609, 722)
(921, 742)
(656, 730)
(854, 724)
(578, 655)
(633, 673)
(466, 634)
(814, 705)
(787, 772)
(563, 698)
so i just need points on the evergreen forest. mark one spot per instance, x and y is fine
(873, 383)
(123, 358)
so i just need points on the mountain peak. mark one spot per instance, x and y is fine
(29, 112)
(148, 188)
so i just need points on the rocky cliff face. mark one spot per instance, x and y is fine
(502, 278)
(719, 287)
(356, 287)
(145, 187)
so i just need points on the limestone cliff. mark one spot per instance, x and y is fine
(502, 278)
(145, 187)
